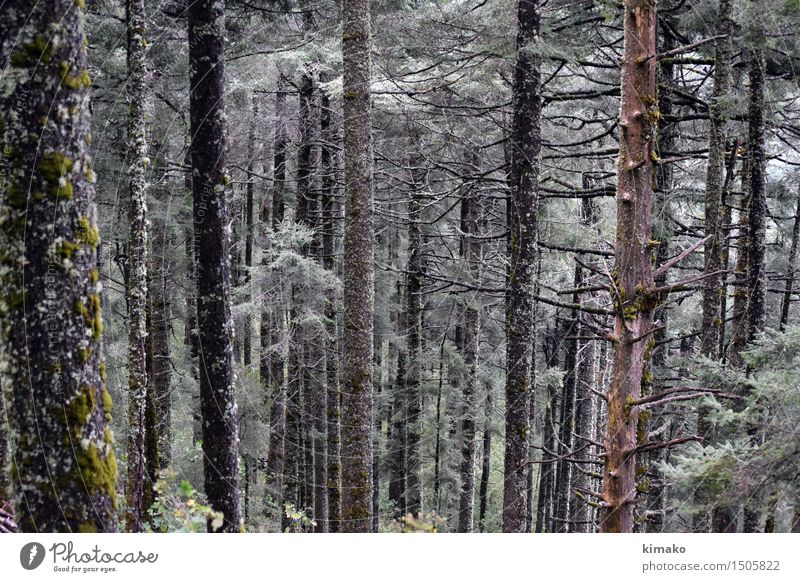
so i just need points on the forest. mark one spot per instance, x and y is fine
(399, 266)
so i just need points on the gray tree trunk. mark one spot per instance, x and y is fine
(136, 284)
(358, 250)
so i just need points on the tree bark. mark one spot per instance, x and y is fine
(486, 462)
(136, 284)
(790, 270)
(64, 471)
(522, 236)
(633, 275)
(719, 113)
(358, 249)
(413, 489)
(471, 254)
(212, 260)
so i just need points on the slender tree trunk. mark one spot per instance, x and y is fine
(790, 271)
(64, 470)
(397, 444)
(471, 253)
(414, 504)
(522, 235)
(739, 325)
(212, 260)
(159, 338)
(329, 212)
(247, 327)
(359, 294)
(136, 288)
(757, 238)
(272, 326)
(633, 275)
(563, 489)
(719, 112)
(483, 493)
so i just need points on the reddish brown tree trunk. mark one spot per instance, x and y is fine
(632, 276)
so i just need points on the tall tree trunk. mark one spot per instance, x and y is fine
(486, 462)
(719, 113)
(136, 283)
(247, 327)
(757, 236)
(564, 488)
(471, 253)
(713, 290)
(212, 260)
(359, 292)
(397, 443)
(739, 322)
(633, 275)
(272, 326)
(522, 214)
(790, 270)
(160, 373)
(64, 471)
(414, 503)
(329, 210)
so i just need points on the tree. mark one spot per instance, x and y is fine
(358, 302)
(138, 382)
(632, 281)
(65, 471)
(471, 253)
(522, 216)
(719, 113)
(212, 260)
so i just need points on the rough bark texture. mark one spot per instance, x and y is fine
(212, 260)
(414, 503)
(632, 275)
(790, 270)
(359, 293)
(136, 284)
(719, 112)
(471, 253)
(522, 236)
(64, 471)
(757, 236)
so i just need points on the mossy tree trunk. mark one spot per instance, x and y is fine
(212, 260)
(522, 236)
(358, 250)
(633, 273)
(64, 470)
